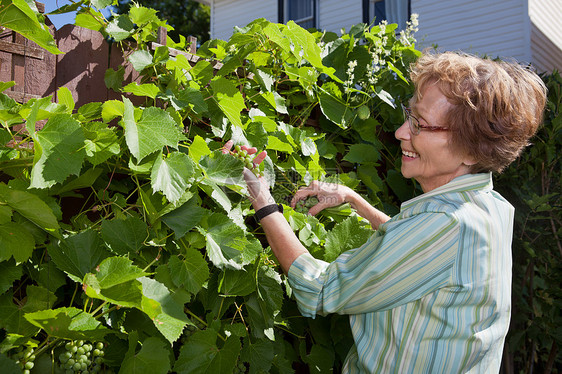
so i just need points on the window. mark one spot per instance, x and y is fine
(377, 10)
(394, 11)
(303, 12)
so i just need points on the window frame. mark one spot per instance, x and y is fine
(283, 13)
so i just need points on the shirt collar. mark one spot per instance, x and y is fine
(466, 182)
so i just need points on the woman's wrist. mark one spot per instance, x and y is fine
(262, 201)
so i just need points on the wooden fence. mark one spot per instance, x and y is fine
(87, 55)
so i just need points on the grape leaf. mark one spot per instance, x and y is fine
(227, 245)
(111, 109)
(153, 358)
(198, 148)
(190, 272)
(78, 254)
(345, 235)
(190, 97)
(15, 241)
(238, 283)
(222, 169)
(201, 355)
(124, 236)
(9, 272)
(62, 151)
(68, 323)
(142, 15)
(155, 129)
(12, 315)
(120, 28)
(23, 17)
(140, 59)
(116, 270)
(362, 154)
(217, 193)
(229, 99)
(148, 89)
(166, 313)
(5, 214)
(172, 175)
(31, 207)
(265, 303)
(184, 218)
(259, 354)
(335, 110)
(8, 365)
(101, 146)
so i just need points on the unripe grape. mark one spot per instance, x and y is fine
(29, 365)
(99, 345)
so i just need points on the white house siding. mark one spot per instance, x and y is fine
(225, 14)
(333, 15)
(546, 34)
(497, 28)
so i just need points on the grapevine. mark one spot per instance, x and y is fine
(146, 178)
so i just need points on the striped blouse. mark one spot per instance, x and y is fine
(430, 291)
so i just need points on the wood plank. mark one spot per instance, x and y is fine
(82, 68)
(118, 59)
(5, 66)
(192, 44)
(162, 35)
(174, 52)
(18, 67)
(40, 74)
(22, 50)
(21, 97)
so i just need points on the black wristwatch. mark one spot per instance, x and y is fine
(267, 210)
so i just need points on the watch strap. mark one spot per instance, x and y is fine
(267, 210)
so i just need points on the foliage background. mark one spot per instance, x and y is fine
(125, 224)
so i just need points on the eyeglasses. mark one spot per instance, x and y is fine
(415, 125)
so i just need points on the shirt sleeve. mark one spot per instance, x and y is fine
(403, 261)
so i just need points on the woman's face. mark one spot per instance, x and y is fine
(428, 157)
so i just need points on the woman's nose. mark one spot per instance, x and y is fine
(403, 132)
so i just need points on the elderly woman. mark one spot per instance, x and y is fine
(430, 291)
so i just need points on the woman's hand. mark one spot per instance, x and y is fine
(331, 194)
(328, 195)
(258, 188)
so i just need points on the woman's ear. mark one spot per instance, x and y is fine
(469, 161)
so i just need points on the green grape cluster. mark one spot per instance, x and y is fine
(240, 368)
(246, 158)
(190, 330)
(82, 357)
(25, 359)
(303, 206)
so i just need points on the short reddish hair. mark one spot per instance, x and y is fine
(496, 106)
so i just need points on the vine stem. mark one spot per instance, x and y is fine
(155, 259)
(44, 346)
(203, 322)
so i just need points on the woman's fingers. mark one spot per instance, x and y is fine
(302, 194)
(259, 158)
(227, 147)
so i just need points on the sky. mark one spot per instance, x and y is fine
(59, 20)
